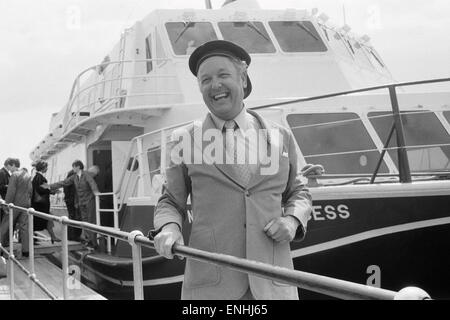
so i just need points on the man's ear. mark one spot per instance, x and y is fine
(244, 79)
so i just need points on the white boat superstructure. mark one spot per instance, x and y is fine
(147, 69)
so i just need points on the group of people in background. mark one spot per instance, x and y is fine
(27, 190)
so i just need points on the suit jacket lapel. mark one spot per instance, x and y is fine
(264, 125)
(228, 170)
(225, 169)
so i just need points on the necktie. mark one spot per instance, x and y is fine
(242, 171)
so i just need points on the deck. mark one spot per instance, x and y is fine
(49, 275)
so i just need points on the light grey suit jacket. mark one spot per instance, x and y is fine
(229, 218)
(20, 189)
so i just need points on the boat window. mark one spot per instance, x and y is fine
(338, 141)
(297, 36)
(148, 52)
(154, 161)
(186, 36)
(133, 162)
(154, 166)
(250, 35)
(447, 115)
(160, 53)
(424, 135)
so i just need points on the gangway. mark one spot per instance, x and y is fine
(48, 274)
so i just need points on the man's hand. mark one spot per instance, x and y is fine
(165, 240)
(282, 229)
(45, 186)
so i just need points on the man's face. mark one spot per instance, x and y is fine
(222, 86)
(76, 169)
(12, 168)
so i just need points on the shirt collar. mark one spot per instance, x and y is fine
(242, 120)
(79, 173)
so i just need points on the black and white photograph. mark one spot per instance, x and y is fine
(225, 150)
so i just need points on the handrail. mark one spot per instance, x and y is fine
(29, 274)
(76, 82)
(317, 283)
(117, 97)
(381, 175)
(343, 93)
(130, 149)
(402, 155)
(94, 67)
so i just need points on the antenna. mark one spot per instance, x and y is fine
(343, 11)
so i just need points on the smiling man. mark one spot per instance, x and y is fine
(237, 209)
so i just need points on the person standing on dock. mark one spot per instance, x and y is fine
(73, 209)
(10, 166)
(87, 189)
(241, 208)
(19, 193)
(40, 200)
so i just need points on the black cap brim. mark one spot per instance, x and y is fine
(220, 48)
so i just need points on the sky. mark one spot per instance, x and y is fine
(47, 43)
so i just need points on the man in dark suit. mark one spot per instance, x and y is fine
(10, 166)
(86, 189)
(241, 208)
(73, 210)
(19, 193)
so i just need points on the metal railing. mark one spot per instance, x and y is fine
(317, 283)
(115, 93)
(114, 211)
(397, 126)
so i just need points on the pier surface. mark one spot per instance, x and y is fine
(48, 274)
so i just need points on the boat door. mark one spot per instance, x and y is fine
(99, 154)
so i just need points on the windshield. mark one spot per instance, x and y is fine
(186, 36)
(426, 139)
(297, 36)
(337, 141)
(252, 36)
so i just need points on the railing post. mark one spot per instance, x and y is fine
(97, 209)
(403, 163)
(140, 148)
(163, 152)
(11, 251)
(78, 95)
(30, 213)
(116, 220)
(65, 257)
(137, 265)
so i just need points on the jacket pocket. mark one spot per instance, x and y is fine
(201, 274)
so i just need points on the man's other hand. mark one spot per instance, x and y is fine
(165, 240)
(282, 229)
